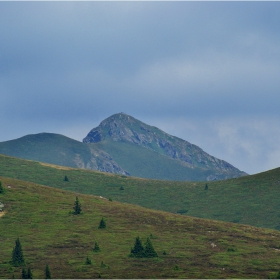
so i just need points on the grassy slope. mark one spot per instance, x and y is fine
(249, 200)
(46, 147)
(169, 169)
(135, 159)
(49, 234)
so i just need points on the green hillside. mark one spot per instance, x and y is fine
(157, 165)
(251, 200)
(126, 146)
(47, 147)
(41, 217)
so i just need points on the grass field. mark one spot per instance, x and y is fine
(41, 218)
(251, 200)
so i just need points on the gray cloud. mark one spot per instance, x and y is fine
(212, 66)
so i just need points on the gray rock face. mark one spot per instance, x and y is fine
(100, 161)
(124, 128)
(124, 145)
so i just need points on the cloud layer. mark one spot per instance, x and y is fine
(207, 72)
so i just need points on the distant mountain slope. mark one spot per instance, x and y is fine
(123, 145)
(123, 136)
(60, 150)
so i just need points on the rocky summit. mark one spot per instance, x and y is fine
(124, 145)
(130, 132)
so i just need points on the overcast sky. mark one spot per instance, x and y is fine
(207, 72)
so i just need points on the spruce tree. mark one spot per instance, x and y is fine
(138, 249)
(29, 274)
(1, 188)
(96, 247)
(102, 224)
(77, 207)
(47, 272)
(17, 256)
(66, 179)
(206, 187)
(23, 274)
(149, 251)
(88, 260)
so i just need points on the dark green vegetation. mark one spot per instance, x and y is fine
(251, 200)
(187, 247)
(124, 145)
(96, 247)
(1, 188)
(102, 224)
(48, 274)
(17, 256)
(138, 251)
(77, 207)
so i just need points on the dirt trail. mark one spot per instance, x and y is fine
(2, 214)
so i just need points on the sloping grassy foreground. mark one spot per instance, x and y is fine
(195, 248)
(252, 200)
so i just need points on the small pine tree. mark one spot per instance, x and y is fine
(176, 267)
(66, 179)
(1, 188)
(206, 187)
(17, 255)
(102, 224)
(47, 272)
(104, 265)
(149, 251)
(88, 260)
(77, 207)
(29, 273)
(121, 188)
(138, 249)
(96, 247)
(23, 274)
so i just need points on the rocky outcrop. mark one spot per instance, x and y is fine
(122, 127)
(124, 145)
(100, 161)
(105, 163)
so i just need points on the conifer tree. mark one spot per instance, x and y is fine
(138, 249)
(102, 224)
(149, 251)
(17, 256)
(29, 273)
(23, 274)
(96, 247)
(206, 187)
(66, 179)
(88, 260)
(1, 188)
(47, 272)
(77, 207)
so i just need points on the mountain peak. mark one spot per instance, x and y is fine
(126, 129)
(118, 127)
(117, 117)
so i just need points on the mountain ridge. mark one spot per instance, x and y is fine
(124, 128)
(124, 145)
